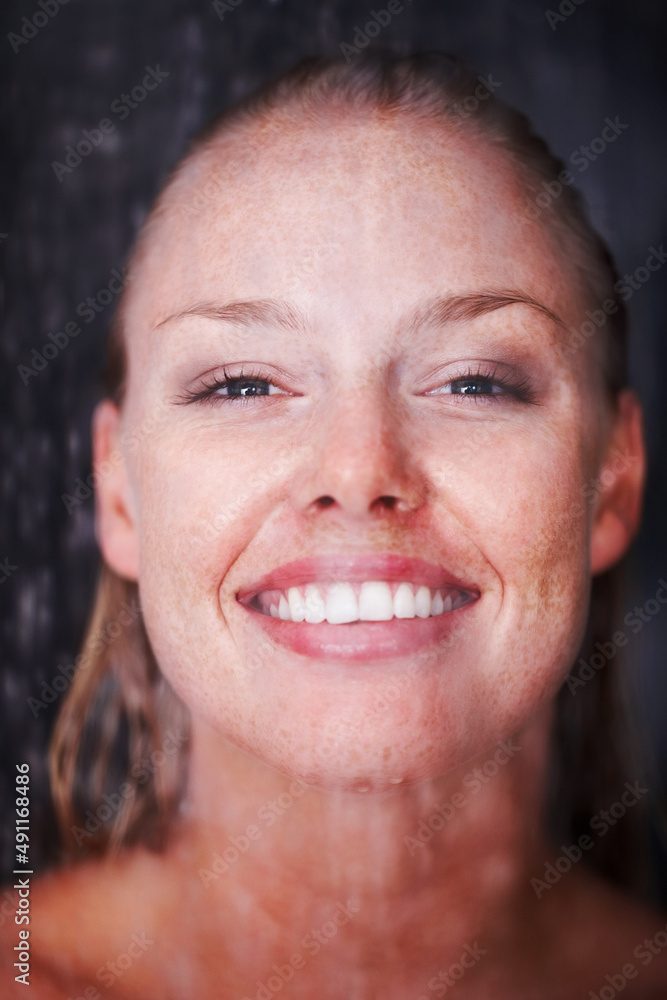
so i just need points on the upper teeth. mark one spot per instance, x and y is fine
(371, 601)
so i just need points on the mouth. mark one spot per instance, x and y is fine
(343, 603)
(375, 605)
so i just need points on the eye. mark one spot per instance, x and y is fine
(243, 387)
(486, 386)
(233, 388)
(474, 387)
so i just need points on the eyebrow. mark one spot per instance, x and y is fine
(440, 310)
(267, 312)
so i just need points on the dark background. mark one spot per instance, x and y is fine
(60, 241)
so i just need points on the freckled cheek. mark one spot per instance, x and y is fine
(200, 500)
(520, 503)
(535, 537)
(517, 490)
(193, 525)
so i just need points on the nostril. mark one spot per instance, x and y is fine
(384, 502)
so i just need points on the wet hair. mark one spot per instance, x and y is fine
(120, 709)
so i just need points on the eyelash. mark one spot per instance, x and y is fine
(209, 390)
(519, 389)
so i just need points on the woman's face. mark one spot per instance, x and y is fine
(331, 387)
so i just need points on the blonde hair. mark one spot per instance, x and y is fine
(120, 708)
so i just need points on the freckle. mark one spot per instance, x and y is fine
(386, 753)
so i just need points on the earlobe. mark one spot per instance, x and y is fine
(620, 486)
(115, 523)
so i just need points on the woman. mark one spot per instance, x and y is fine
(351, 424)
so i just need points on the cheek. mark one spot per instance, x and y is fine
(201, 499)
(199, 486)
(519, 498)
(527, 500)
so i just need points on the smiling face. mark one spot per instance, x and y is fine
(354, 451)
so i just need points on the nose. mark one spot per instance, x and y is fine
(363, 463)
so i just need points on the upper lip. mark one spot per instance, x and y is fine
(356, 569)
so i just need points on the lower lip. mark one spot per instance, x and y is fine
(363, 642)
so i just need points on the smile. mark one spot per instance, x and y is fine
(342, 603)
(360, 607)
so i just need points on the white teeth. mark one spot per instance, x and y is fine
(437, 604)
(423, 602)
(371, 601)
(297, 606)
(375, 602)
(404, 601)
(341, 604)
(315, 606)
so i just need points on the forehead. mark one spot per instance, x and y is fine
(346, 214)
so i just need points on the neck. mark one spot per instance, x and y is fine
(462, 846)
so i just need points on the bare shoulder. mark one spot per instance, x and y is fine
(18, 967)
(109, 929)
(82, 921)
(619, 944)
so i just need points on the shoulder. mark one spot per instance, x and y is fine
(618, 944)
(82, 920)
(18, 967)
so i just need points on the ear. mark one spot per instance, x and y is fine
(115, 524)
(620, 486)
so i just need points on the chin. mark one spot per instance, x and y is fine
(361, 769)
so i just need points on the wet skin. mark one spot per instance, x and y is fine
(338, 278)
(367, 446)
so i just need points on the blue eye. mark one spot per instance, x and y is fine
(487, 387)
(243, 387)
(475, 387)
(233, 388)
